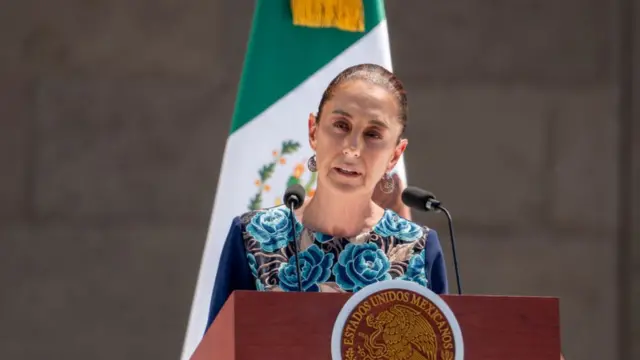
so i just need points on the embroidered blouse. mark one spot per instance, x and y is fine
(258, 254)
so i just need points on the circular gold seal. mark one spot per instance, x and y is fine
(396, 320)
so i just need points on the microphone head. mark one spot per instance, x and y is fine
(419, 199)
(294, 195)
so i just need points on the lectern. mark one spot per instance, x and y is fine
(278, 325)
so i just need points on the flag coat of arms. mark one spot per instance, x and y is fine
(295, 49)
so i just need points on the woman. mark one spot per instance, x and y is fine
(346, 240)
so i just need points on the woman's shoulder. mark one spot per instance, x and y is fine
(271, 227)
(270, 219)
(392, 224)
(272, 213)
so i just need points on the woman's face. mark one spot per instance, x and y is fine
(356, 139)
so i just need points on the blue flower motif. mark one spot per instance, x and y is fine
(323, 238)
(360, 265)
(393, 225)
(315, 267)
(253, 265)
(415, 270)
(272, 228)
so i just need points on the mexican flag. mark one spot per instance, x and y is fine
(296, 48)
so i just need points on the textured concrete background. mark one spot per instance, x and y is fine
(524, 120)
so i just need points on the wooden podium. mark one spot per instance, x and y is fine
(278, 325)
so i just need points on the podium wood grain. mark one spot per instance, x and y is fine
(277, 325)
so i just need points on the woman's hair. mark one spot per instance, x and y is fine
(374, 74)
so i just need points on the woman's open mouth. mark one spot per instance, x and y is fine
(347, 172)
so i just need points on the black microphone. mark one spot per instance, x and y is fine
(294, 198)
(423, 200)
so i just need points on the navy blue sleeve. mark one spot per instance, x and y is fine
(436, 266)
(233, 271)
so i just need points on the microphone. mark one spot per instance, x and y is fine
(423, 200)
(294, 198)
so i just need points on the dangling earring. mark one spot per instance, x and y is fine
(311, 164)
(387, 184)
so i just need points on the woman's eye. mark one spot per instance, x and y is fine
(374, 134)
(341, 125)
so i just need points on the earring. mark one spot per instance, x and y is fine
(311, 164)
(387, 184)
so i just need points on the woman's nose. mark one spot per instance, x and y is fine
(352, 147)
(349, 151)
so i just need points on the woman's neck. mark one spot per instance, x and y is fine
(340, 215)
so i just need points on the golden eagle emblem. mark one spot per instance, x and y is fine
(401, 333)
(396, 323)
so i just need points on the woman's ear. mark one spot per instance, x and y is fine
(397, 153)
(313, 128)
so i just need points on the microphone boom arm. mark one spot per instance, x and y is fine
(295, 243)
(453, 246)
(423, 200)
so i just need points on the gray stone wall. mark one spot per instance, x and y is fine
(518, 105)
(630, 269)
(113, 121)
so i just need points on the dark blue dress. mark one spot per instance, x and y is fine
(258, 254)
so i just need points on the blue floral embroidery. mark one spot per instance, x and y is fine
(253, 266)
(360, 265)
(251, 259)
(393, 225)
(272, 228)
(323, 238)
(415, 270)
(315, 267)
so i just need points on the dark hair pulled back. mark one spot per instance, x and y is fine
(374, 74)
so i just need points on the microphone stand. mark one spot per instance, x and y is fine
(453, 247)
(434, 205)
(295, 244)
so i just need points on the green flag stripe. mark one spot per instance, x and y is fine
(280, 55)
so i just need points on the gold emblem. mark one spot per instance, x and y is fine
(397, 324)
